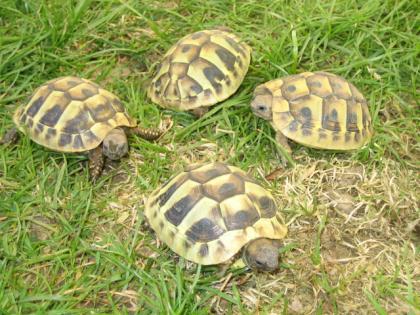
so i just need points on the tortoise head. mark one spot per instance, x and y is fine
(261, 103)
(262, 254)
(115, 144)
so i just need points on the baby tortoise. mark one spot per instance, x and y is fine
(211, 213)
(317, 109)
(70, 114)
(200, 70)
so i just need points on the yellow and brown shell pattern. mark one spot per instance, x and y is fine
(71, 114)
(209, 212)
(320, 110)
(201, 69)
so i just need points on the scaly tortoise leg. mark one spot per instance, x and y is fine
(282, 140)
(96, 163)
(10, 137)
(199, 112)
(151, 133)
(147, 133)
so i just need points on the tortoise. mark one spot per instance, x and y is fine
(317, 109)
(213, 213)
(200, 70)
(70, 114)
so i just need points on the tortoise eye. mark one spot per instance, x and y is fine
(261, 108)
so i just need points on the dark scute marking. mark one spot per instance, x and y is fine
(23, 118)
(77, 142)
(336, 137)
(39, 127)
(306, 132)
(322, 136)
(72, 83)
(242, 219)
(117, 105)
(232, 186)
(64, 140)
(214, 75)
(91, 136)
(196, 88)
(179, 210)
(335, 84)
(161, 225)
(334, 115)
(291, 88)
(293, 126)
(204, 250)
(163, 198)
(187, 244)
(262, 90)
(204, 176)
(268, 207)
(78, 124)
(102, 112)
(172, 234)
(357, 136)
(306, 112)
(227, 58)
(36, 132)
(185, 48)
(347, 136)
(352, 122)
(364, 132)
(235, 46)
(30, 122)
(52, 116)
(35, 106)
(197, 35)
(317, 84)
(87, 93)
(158, 84)
(51, 132)
(204, 230)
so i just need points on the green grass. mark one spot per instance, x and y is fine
(70, 247)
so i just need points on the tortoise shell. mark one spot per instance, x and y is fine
(209, 212)
(319, 110)
(71, 114)
(201, 69)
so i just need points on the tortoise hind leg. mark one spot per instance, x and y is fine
(151, 133)
(147, 133)
(10, 137)
(96, 163)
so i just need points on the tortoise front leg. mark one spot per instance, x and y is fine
(10, 137)
(96, 163)
(199, 112)
(282, 140)
(151, 133)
